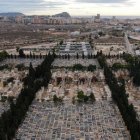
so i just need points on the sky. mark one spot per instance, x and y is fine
(73, 7)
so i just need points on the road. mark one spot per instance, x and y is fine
(128, 45)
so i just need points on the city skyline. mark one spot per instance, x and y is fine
(74, 7)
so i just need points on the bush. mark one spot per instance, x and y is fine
(78, 67)
(91, 68)
(117, 66)
(57, 100)
(3, 55)
(84, 98)
(92, 97)
(20, 67)
(4, 67)
(3, 98)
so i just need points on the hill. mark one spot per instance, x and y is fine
(63, 14)
(11, 14)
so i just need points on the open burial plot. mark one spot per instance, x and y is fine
(67, 84)
(11, 82)
(98, 121)
(111, 49)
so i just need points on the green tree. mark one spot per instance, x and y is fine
(55, 99)
(92, 97)
(21, 53)
(73, 100)
(61, 42)
(77, 56)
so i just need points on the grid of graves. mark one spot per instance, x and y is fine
(72, 48)
(25, 61)
(101, 120)
(71, 62)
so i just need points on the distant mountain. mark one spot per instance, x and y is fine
(63, 14)
(11, 14)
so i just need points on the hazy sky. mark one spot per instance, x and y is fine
(74, 7)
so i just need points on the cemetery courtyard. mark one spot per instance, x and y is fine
(98, 120)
